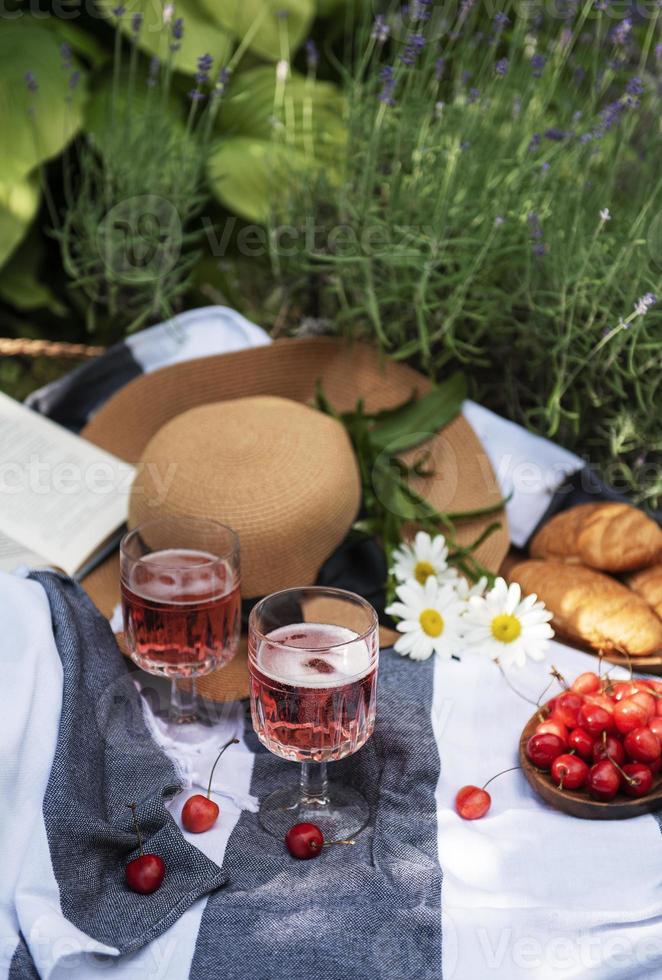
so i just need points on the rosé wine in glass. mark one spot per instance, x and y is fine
(180, 584)
(181, 612)
(313, 658)
(317, 700)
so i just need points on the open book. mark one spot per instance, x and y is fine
(63, 501)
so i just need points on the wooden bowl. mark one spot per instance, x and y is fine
(577, 802)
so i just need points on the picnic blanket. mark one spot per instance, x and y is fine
(526, 892)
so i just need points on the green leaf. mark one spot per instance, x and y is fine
(415, 422)
(18, 205)
(262, 23)
(246, 173)
(34, 126)
(259, 160)
(83, 43)
(201, 34)
(327, 7)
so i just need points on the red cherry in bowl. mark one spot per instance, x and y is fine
(637, 779)
(569, 771)
(200, 813)
(304, 841)
(603, 780)
(586, 683)
(145, 873)
(542, 749)
(595, 719)
(628, 715)
(609, 747)
(555, 726)
(567, 708)
(582, 743)
(472, 802)
(642, 745)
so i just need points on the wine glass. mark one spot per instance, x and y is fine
(181, 603)
(313, 656)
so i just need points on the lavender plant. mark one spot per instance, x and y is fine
(135, 184)
(499, 209)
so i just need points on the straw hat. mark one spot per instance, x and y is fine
(282, 474)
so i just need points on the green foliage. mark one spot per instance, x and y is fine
(18, 205)
(272, 131)
(34, 126)
(468, 227)
(271, 28)
(389, 502)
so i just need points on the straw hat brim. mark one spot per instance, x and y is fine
(463, 478)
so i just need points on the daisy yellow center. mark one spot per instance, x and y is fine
(506, 628)
(432, 622)
(423, 571)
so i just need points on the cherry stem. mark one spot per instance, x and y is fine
(512, 769)
(630, 780)
(136, 827)
(332, 843)
(556, 673)
(233, 741)
(514, 689)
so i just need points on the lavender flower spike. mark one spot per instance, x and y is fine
(380, 30)
(312, 56)
(501, 67)
(31, 82)
(136, 24)
(205, 63)
(118, 11)
(643, 305)
(387, 76)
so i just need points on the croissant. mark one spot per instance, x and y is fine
(648, 584)
(611, 537)
(592, 608)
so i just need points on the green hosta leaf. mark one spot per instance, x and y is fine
(302, 112)
(245, 174)
(263, 24)
(18, 206)
(415, 422)
(202, 35)
(34, 126)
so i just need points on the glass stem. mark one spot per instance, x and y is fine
(314, 782)
(183, 701)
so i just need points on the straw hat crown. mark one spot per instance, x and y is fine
(283, 475)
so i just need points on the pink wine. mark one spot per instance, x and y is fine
(181, 612)
(313, 691)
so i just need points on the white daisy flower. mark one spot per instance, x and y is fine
(506, 627)
(430, 619)
(465, 589)
(425, 556)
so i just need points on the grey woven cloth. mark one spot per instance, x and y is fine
(372, 910)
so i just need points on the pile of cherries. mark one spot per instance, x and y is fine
(601, 736)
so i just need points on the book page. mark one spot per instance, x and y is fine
(60, 496)
(13, 554)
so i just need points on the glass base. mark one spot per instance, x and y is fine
(340, 812)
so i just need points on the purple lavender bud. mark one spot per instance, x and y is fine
(387, 77)
(380, 30)
(501, 67)
(31, 82)
(421, 10)
(439, 68)
(555, 134)
(312, 56)
(635, 86)
(119, 11)
(643, 305)
(500, 22)
(205, 63)
(414, 46)
(153, 74)
(534, 142)
(195, 95)
(579, 74)
(65, 54)
(177, 30)
(474, 95)
(537, 65)
(136, 24)
(621, 32)
(74, 79)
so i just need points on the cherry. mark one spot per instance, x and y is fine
(602, 700)
(655, 766)
(642, 745)
(609, 747)
(200, 813)
(569, 771)
(555, 726)
(637, 779)
(628, 715)
(582, 743)
(655, 725)
(542, 749)
(623, 689)
(647, 702)
(658, 707)
(472, 802)
(567, 708)
(586, 683)
(595, 719)
(304, 840)
(145, 873)
(603, 780)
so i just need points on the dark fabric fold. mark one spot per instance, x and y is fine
(105, 759)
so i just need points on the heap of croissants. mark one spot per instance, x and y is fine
(598, 569)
